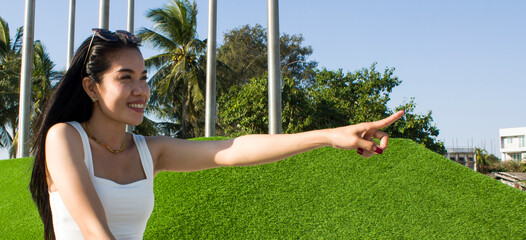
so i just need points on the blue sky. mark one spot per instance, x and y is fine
(463, 60)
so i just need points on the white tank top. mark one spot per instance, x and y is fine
(127, 206)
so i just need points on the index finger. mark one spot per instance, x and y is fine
(388, 120)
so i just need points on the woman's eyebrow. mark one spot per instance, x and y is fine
(130, 70)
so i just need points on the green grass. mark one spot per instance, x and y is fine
(18, 214)
(407, 192)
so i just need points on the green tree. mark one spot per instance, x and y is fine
(244, 110)
(9, 82)
(482, 162)
(335, 99)
(418, 127)
(176, 86)
(43, 75)
(339, 99)
(41, 88)
(245, 51)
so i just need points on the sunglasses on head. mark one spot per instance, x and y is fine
(108, 35)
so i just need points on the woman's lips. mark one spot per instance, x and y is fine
(138, 107)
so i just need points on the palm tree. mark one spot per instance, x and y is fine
(43, 76)
(177, 86)
(10, 53)
(481, 160)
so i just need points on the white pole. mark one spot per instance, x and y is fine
(104, 14)
(71, 33)
(210, 113)
(274, 71)
(25, 79)
(131, 17)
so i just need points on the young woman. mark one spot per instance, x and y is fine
(93, 180)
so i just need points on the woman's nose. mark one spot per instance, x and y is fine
(141, 89)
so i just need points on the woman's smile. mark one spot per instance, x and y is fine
(138, 107)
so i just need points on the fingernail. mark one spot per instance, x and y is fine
(378, 150)
(359, 151)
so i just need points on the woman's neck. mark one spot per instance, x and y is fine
(110, 132)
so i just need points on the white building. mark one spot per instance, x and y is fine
(464, 156)
(513, 144)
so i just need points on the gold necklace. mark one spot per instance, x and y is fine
(104, 144)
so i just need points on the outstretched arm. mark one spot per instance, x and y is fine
(181, 155)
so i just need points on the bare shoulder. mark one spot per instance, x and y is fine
(63, 136)
(63, 151)
(62, 130)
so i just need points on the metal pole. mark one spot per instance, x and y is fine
(131, 15)
(71, 33)
(104, 14)
(25, 79)
(210, 114)
(274, 71)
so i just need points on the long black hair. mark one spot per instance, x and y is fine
(69, 102)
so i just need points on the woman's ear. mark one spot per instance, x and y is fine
(89, 88)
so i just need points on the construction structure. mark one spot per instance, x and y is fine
(465, 156)
(513, 179)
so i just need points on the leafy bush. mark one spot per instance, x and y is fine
(509, 166)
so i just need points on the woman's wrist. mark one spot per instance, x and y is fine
(323, 138)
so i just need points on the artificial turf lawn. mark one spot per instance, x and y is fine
(407, 192)
(18, 215)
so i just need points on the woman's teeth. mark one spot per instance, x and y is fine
(136, 105)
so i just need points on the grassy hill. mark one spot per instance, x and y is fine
(407, 192)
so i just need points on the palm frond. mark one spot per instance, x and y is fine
(156, 40)
(157, 61)
(17, 43)
(5, 38)
(5, 139)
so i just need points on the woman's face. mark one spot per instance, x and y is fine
(123, 92)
